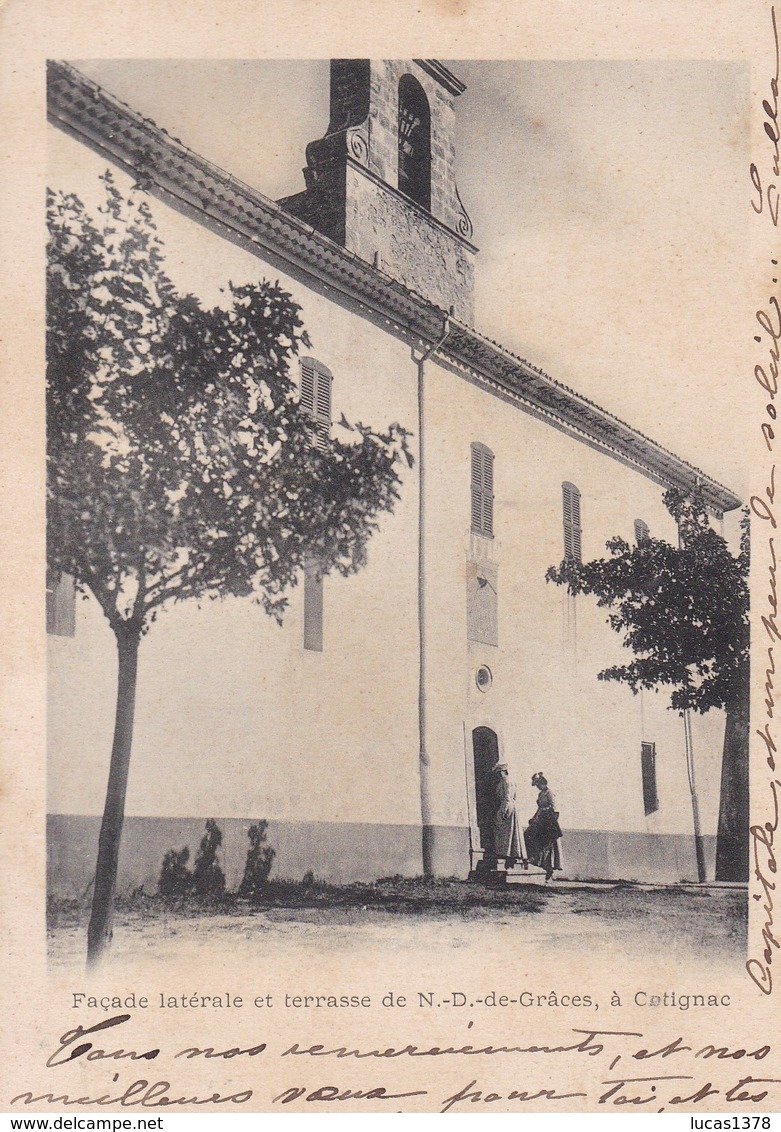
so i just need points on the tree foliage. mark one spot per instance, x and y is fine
(179, 463)
(208, 877)
(176, 879)
(260, 858)
(682, 610)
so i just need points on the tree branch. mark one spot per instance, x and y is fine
(186, 575)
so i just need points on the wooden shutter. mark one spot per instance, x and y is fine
(313, 606)
(572, 530)
(308, 385)
(315, 398)
(60, 605)
(488, 493)
(641, 531)
(477, 494)
(482, 490)
(648, 767)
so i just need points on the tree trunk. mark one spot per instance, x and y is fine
(732, 847)
(102, 918)
(699, 848)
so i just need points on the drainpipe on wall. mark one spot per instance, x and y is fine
(425, 785)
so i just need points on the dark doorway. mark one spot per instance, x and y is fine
(486, 753)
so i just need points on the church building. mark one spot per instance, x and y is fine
(366, 729)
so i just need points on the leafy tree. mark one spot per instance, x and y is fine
(175, 878)
(208, 877)
(684, 613)
(260, 858)
(180, 465)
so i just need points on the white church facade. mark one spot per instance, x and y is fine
(365, 728)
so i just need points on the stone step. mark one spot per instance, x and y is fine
(500, 876)
(532, 875)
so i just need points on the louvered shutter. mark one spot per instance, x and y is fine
(488, 493)
(482, 490)
(313, 605)
(60, 605)
(308, 385)
(577, 549)
(648, 768)
(316, 399)
(571, 514)
(323, 407)
(641, 531)
(477, 494)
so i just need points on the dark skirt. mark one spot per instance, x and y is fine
(541, 836)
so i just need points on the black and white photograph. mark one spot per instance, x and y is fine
(406, 472)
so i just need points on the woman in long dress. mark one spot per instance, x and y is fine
(507, 841)
(543, 831)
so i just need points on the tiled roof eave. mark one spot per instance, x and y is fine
(190, 182)
(167, 168)
(550, 398)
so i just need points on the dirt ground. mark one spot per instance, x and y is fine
(366, 921)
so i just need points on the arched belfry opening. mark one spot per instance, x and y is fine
(382, 181)
(414, 142)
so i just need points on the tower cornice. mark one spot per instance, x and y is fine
(442, 74)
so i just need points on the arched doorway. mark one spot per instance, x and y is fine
(485, 747)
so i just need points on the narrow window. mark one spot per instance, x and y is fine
(648, 765)
(482, 490)
(414, 142)
(60, 605)
(572, 529)
(641, 532)
(313, 606)
(316, 382)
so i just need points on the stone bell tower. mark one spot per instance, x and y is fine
(382, 180)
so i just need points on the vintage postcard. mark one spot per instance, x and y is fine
(390, 558)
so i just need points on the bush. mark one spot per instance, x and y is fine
(175, 878)
(260, 858)
(208, 877)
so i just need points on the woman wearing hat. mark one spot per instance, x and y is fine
(543, 831)
(507, 842)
